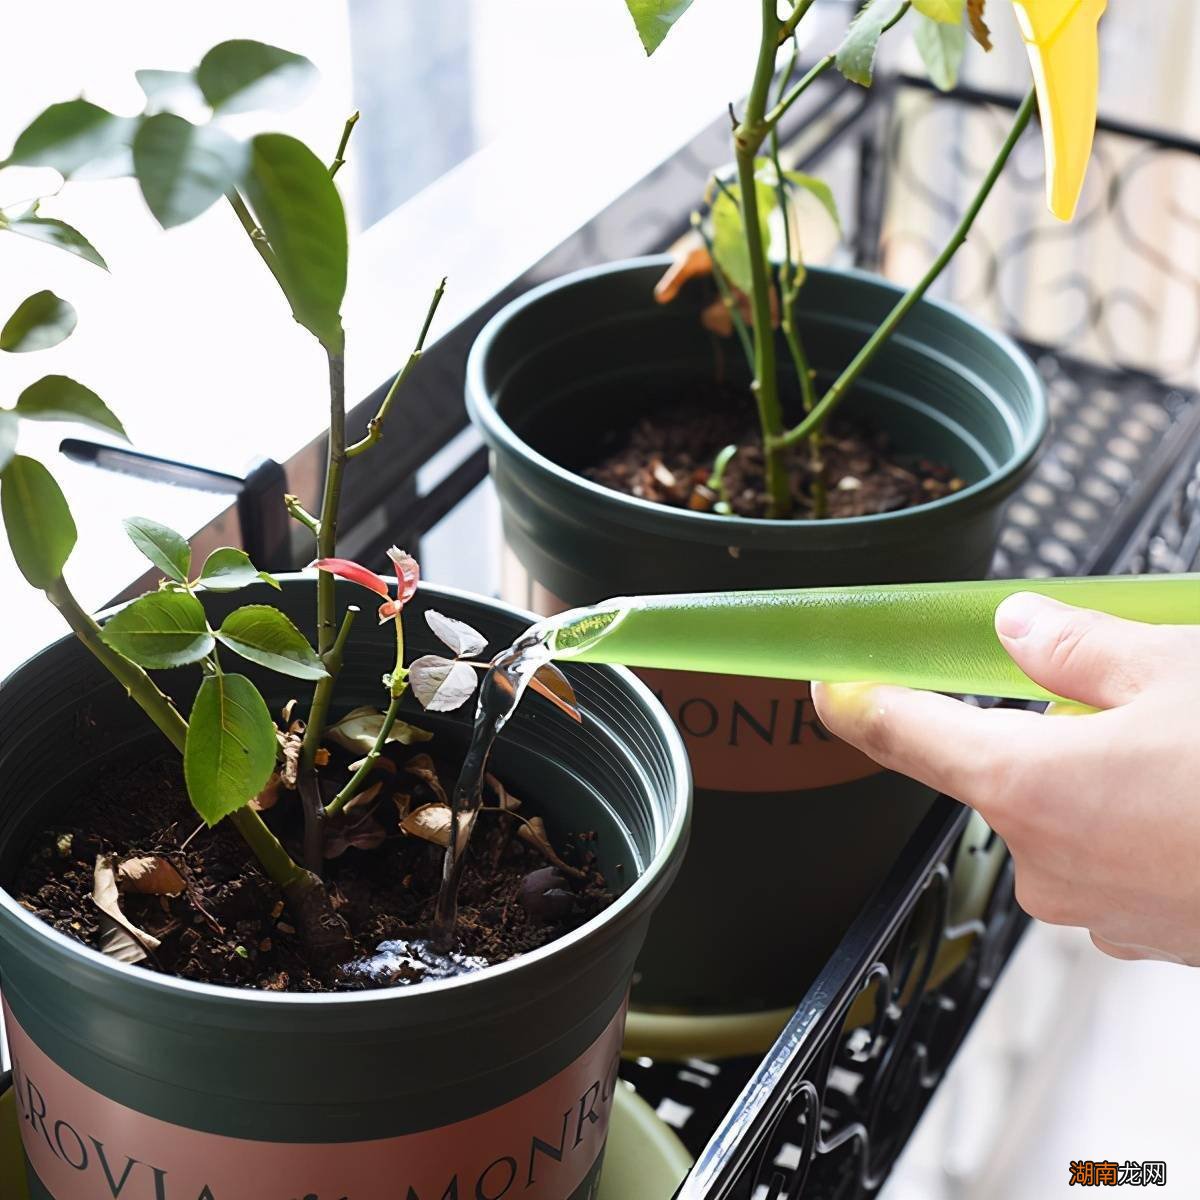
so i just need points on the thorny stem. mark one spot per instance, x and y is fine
(841, 386)
(157, 706)
(748, 139)
(398, 688)
(375, 424)
(339, 159)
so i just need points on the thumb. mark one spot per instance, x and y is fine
(1078, 654)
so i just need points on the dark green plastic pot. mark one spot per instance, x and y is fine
(483, 1083)
(793, 831)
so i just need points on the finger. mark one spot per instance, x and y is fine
(1127, 952)
(1081, 655)
(949, 745)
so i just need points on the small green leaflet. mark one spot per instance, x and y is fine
(947, 12)
(729, 232)
(228, 569)
(301, 213)
(59, 398)
(73, 136)
(231, 746)
(184, 169)
(265, 636)
(856, 56)
(655, 19)
(819, 189)
(41, 530)
(165, 89)
(40, 322)
(942, 47)
(160, 630)
(241, 75)
(54, 233)
(165, 548)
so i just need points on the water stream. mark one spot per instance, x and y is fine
(500, 692)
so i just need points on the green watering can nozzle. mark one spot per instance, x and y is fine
(936, 636)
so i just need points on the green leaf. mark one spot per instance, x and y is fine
(166, 549)
(72, 136)
(54, 233)
(8, 436)
(942, 47)
(265, 636)
(231, 746)
(160, 630)
(41, 321)
(301, 213)
(818, 188)
(655, 18)
(167, 88)
(184, 169)
(227, 569)
(41, 530)
(58, 398)
(729, 232)
(241, 75)
(856, 55)
(949, 12)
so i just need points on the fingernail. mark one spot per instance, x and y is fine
(1016, 614)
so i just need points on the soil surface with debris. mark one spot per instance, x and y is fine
(668, 458)
(229, 924)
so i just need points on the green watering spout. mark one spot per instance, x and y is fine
(935, 636)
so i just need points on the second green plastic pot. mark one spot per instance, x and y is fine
(497, 1084)
(793, 829)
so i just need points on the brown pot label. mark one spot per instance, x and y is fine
(754, 735)
(545, 1145)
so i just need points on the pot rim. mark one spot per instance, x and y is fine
(253, 998)
(501, 436)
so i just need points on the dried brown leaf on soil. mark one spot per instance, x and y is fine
(150, 875)
(358, 731)
(533, 831)
(421, 765)
(431, 823)
(121, 938)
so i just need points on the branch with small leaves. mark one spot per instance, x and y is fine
(742, 211)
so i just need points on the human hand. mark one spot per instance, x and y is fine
(1100, 811)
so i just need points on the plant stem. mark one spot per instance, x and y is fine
(788, 28)
(158, 707)
(141, 688)
(354, 783)
(748, 139)
(841, 386)
(327, 634)
(375, 424)
(258, 239)
(298, 512)
(399, 685)
(339, 159)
